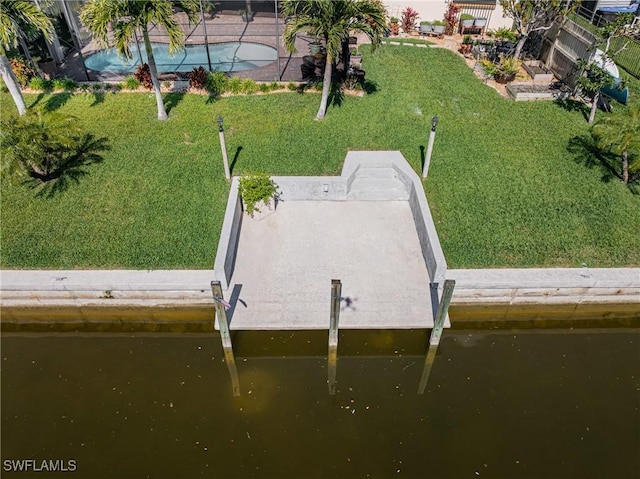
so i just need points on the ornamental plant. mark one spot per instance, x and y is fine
(143, 75)
(409, 20)
(257, 188)
(198, 78)
(450, 19)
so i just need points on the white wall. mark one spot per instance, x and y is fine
(435, 9)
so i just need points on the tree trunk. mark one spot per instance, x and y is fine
(625, 167)
(153, 71)
(326, 84)
(594, 107)
(520, 45)
(12, 83)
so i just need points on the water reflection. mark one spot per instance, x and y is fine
(499, 404)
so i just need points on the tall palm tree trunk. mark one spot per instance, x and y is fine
(625, 167)
(12, 83)
(153, 71)
(326, 84)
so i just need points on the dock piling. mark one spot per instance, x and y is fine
(225, 335)
(436, 332)
(336, 292)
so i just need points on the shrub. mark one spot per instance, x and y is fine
(503, 34)
(64, 84)
(235, 85)
(143, 75)
(274, 85)
(118, 86)
(198, 78)
(504, 67)
(265, 87)
(47, 146)
(131, 83)
(256, 188)
(292, 86)
(22, 70)
(249, 86)
(96, 86)
(216, 83)
(409, 18)
(466, 16)
(85, 87)
(450, 18)
(40, 84)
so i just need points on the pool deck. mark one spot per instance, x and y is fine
(226, 26)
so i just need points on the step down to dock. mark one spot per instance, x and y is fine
(377, 184)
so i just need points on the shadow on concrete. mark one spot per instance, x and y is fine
(234, 299)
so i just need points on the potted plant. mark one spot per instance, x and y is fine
(247, 15)
(426, 27)
(315, 48)
(257, 190)
(395, 27)
(438, 27)
(480, 22)
(467, 44)
(466, 20)
(504, 70)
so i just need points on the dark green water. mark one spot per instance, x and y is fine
(552, 404)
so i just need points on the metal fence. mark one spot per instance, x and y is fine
(224, 38)
(629, 58)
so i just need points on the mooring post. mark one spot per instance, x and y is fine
(432, 137)
(223, 147)
(436, 333)
(221, 313)
(336, 292)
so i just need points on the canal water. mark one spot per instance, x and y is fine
(499, 404)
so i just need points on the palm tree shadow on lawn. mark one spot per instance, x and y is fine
(70, 169)
(172, 100)
(586, 151)
(574, 105)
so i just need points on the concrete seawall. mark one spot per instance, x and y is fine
(123, 300)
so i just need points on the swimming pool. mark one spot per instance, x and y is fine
(226, 57)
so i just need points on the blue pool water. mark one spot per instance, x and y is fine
(226, 57)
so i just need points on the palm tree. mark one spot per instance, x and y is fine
(333, 21)
(16, 18)
(125, 17)
(620, 133)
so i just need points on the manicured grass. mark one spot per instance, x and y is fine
(503, 188)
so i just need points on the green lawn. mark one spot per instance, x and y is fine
(503, 188)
